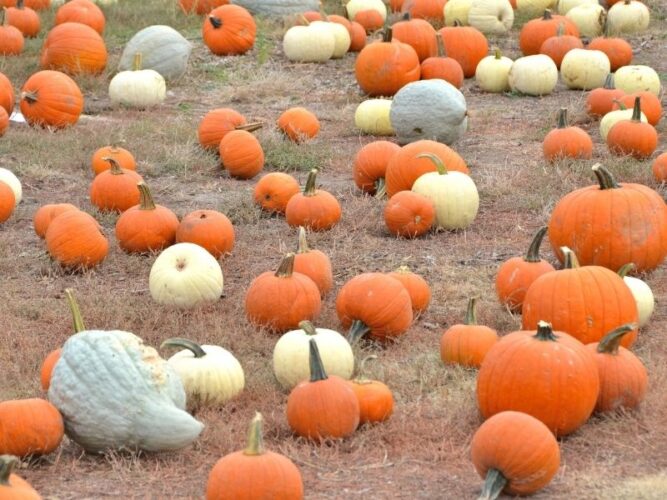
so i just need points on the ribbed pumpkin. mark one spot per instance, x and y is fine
(200, 6)
(535, 32)
(218, 122)
(409, 214)
(417, 287)
(313, 263)
(274, 190)
(229, 30)
(74, 48)
(566, 141)
(417, 33)
(600, 101)
(11, 38)
(51, 99)
(7, 201)
(315, 208)
(370, 165)
(405, 167)
(324, 407)
(115, 189)
(254, 472)
(147, 226)
(122, 156)
(24, 19)
(82, 11)
(383, 67)
(13, 487)
(376, 305)
(560, 44)
(515, 275)
(241, 154)
(75, 239)
(29, 427)
(46, 213)
(618, 50)
(468, 343)
(443, 67)
(659, 168)
(610, 224)
(555, 382)
(466, 44)
(514, 453)
(6, 94)
(299, 124)
(209, 229)
(603, 301)
(650, 105)
(279, 301)
(376, 402)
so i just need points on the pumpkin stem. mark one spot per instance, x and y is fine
(387, 34)
(471, 317)
(637, 110)
(497, 53)
(145, 197)
(302, 19)
(361, 375)
(77, 319)
(547, 15)
(216, 22)
(620, 104)
(570, 261)
(308, 327)
(310, 189)
(562, 118)
(303, 243)
(624, 270)
(317, 372)
(30, 97)
(255, 438)
(533, 254)
(403, 269)
(138, 61)
(544, 332)
(494, 483)
(380, 188)
(7, 463)
(439, 165)
(20, 4)
(286, 267)
(605, 179)
(357, 330)
(609, 82)
(250, 127)
(115, 167)
(458, 23)
(611, 342)
(441, 45)
(191, 346)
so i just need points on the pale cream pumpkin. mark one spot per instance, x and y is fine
(641, 292)
(636, 78)
(372, 117)
(533, 8)
(564, 6)
(491, 17)
(533, 75)
(628, 16)
(589, 19)
(308, 44)
(341, 37)
(492, 73)
(138, 88)
(585, 69)
(457, 10)
(9, 178)
(354, 6)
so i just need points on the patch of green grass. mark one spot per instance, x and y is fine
(286, 156)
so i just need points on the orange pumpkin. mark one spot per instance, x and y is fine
(75, 239)
(650, 105)
(633, 137)
(218, 122)
(433, 10)
(314, 209)
(535, 32)
(659, 168)
(115, 189)
(370, 19)
(7, 201)
(467, 45)
(274, 190)
(618, 50)
(229, 30)
(146, 227)
(6, 94)
(340, 20)
(357, 37)
(443, 67)
(417, 33)
(376, 402)
(200, 6)
(566, 141)
(120, 155)
(254, 473)
(24, 19)
(370, 165)
(560, 44)
(600, 101)
(280, 301)
(467, 344)
(409, 214)
(313, 263)
(4, 121)
(29, 427)
(82, 11)
(13, 487)
(51, 99)
(417, 287)
(299, 124)
(323, 407)
(33, 4)
(11, 38)
(241, 154)
(46, 213)
(74, 48)
(209, 229)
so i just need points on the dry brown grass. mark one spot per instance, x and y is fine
(422, 452)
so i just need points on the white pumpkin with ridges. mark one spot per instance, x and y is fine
(627, 17)
(493, 17)
(533, 75)
(492, 73)
(584, 69)
(372, 117)
(139, 88)
(589, 19)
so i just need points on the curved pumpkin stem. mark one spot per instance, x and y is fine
(286, 267)
(216, 22)
(303, 242)
(77, 319)
(380, 188)
(7, 464)
(627, 268)
(308, 327)
(387, 33)
(317, 372)
(497, 53)
(562, 118)
(255, 437)
(570, 259)
(471, 317)
(533, 254)
(547, 15)
(544, 332)
(611, 342)
(191, 346)
(441, 45)
(494, 483)
(250, 127)
(609, 82)
(310, 189)
(604, 177)
(357, 330)
(145, 197)
(637, 110)
(361, 375)
(439, 165)
(115, 168)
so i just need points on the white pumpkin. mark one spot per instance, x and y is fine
(589, 19)
(641, 292)
(454, 195)
(308, 44)
(354, 6)
(636, 78)
(291, 355)
(278, 7)
(585, 69)
(457, 10)
(491, 17)
(341, 36)
(114, 392)
(533, 75)
(613, 117)
(9, 178)
(429, 109)
(533, 8)
(372, 117)
(210, 374)
(565, 6)
(162, 49)
(139, 88)
(185, 275)
(628, 16)
(492, 73)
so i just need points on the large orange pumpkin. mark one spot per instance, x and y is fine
(313, 263)
(229, 30)
(467, 45)
(417, 33)
(6, 94)
(209, 229)
(274, 190)
(75, 239)
(82, 11)
(51, 99)
(534, 33)
(370, 165)
(315, 209)
(11, 38)
(115, 189)
(13, 487)
(24, 19)
(29, 427)
(74, 48)
(241, 154)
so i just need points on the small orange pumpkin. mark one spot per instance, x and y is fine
(241, 154)
(535, 32)
(370, 19)
(51, 99)
(633, 137)
(24, 19)
(659, 168)
(466, 44)
(418, 34)
(11, 38)
(7, 201)
(46, 213)
(315, 208)
(601, 101)
(274, 190)
(313, 263)
(217, 122)
(74, 48)
(209, 229)
(441, 66)
(370, 165)
(560, 44)
(29, 427)
(650, 105)
(81, 11)
(115, 189)
(376, 402)
(6, 94)
(357, 37)
(417, 287)
(229, 30)
(75, 239)
(409, 214)
(13, 487)
(566, 141)
(299, 124)
(122, 156)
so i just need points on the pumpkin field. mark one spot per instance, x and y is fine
(235, 182)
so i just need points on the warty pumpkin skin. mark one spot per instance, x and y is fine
(376, 305)
(13, 487)
(241, 154)
(6, 94)
(121, 155)
(24, 19)
(515, 453)
(254, 473)
(409, 214)
(376, 401)
(229, 30)
(209, 229)
(115, 189)
(566, 141)
(417, 287)
(82, 11)
(75, 239)
(29, 427)
(274, 190)
(313, 263)
(74, 48)
(467, 45)
(315, 209)
(556, 381)
(603, 301)
(323, 407)
(370, 165)
(51, 99)
(280, 301)
(610, 224)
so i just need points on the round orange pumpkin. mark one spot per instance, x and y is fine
(115, 189)
(216, 123)
(601, 101)
(560, 44)
(81, 11)
(229, 30)
(74, 48)
(443, 67)
(467, 45)
(409, 214)
(274, 190)
(24, 19)
(633, 137)
(7, 202)
(376, 402)
(535, 32)
(370, 19)
(313, 263)
(29, 427)
(357, 37)
(417, 287)
(121, 155)
(75, 239)
(659, 168)
(46, 213)
(209, 229)
(314, 208)
(11, 38)
(299, 124)
(51, 99)
(566, 141)
(241, 154)
(419, 34)
(13, 487)
(650, 105)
